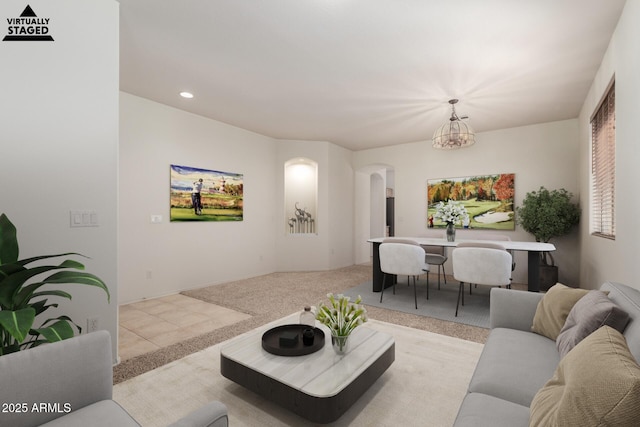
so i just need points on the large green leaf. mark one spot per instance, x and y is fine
(10, 294)
(66, 318)
(80, 278)
(24, 297)
(61, 330)
(41, 257)
(17, 323)
(8, 241)
(10, 348)
(41, 306)
(62, 294)
(11, 285)
(9, 269)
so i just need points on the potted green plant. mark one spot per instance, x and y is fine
(22, 300)
(548, 214)
(342, 317)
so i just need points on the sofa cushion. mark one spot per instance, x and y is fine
(213, 414)
(596, 384)
(628, 299)
(76, 371)
(553, 309)
(105, 413)
(514, 365)
(590, 313)
(481, 410)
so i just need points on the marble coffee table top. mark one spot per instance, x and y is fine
(320, 374)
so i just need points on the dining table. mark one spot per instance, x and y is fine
(533, 250)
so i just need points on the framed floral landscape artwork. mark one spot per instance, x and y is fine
(205, 195)
(488, 200)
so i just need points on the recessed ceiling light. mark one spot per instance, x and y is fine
(187, 95)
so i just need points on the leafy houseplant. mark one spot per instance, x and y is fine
(21, 299)
(548, 214)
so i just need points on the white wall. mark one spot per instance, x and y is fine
(300, 252)
(341, 208)
(539, 155)
(378, 204)
(59, 121)
(604, 259)
(332, 245)
(300, 193)
(165, 258)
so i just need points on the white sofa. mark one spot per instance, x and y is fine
(516, 362)
(69, 383)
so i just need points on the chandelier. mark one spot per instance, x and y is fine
(453, 134)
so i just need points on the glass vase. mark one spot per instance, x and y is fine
(340, 343)
(451, 232)
(307, 317)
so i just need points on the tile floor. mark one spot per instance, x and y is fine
(155, 323)
(149, 325)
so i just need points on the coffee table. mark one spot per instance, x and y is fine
(320, 386)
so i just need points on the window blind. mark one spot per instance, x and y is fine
(603, 168)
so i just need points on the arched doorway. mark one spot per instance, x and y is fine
(371, 186)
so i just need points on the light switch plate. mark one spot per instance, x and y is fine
(84, 219)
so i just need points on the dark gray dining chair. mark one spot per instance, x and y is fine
(436, 255)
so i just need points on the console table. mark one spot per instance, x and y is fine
(533, 250)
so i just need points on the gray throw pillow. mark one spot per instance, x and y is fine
(592, 311)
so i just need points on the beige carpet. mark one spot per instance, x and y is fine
(272, 296)
(423, 387)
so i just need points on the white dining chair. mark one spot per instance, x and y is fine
(403, 259)
(480, 265)
(402, 240)
(482, 244)
(499, 237)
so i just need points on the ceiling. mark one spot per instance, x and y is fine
(365, 73)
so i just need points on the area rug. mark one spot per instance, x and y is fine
(272, 296)
(441, 304)
(423, 387)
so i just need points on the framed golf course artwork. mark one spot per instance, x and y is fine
(205, 195)
(488, 200)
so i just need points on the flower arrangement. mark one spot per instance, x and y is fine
(451, 212)
(341, 316)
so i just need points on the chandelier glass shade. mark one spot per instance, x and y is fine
(453, 134)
